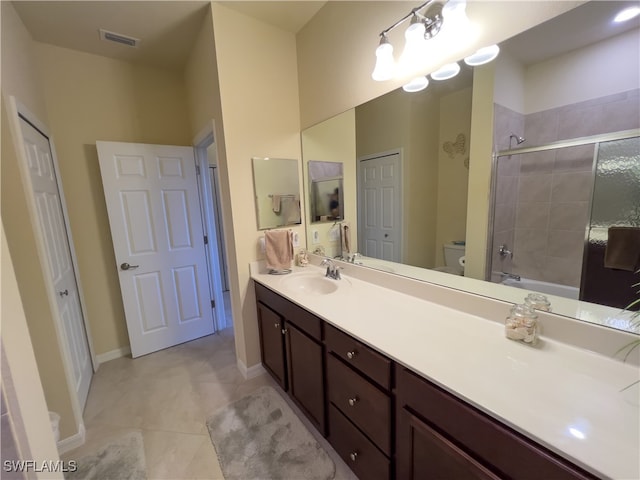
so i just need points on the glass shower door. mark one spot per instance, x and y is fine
(608, 280)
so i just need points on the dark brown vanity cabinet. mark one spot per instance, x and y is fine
(384, 420)
(360, 405)
(292, 352)
(440, 436)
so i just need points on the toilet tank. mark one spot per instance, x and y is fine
(452, 254)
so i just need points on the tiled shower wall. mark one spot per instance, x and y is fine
(542, 199)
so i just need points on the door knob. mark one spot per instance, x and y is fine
(66, 292)
(126, 266)
(353, 456)
(352, 401)
(351, 355)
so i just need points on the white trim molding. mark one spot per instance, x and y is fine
(250, 372)
(113, 354)
(74, 441)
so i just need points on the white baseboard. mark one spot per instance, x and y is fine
(113, 354)
(74, 441)
(251, 372)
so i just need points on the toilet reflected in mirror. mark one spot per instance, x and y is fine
(453, 259)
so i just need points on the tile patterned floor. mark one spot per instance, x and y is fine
(168, 395)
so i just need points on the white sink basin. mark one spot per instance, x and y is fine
(310, 283)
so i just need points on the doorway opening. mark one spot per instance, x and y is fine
(211, 209)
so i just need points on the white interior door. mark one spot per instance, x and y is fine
(379, 207)
(151, 193)
(48, 204)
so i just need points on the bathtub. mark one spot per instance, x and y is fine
(544, 287)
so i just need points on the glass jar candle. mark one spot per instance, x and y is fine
(522, 324)
(537, 301)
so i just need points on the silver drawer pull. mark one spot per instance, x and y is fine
(353, 456)
(351, 355)
(285, 331)
(276, 325)
(353, 401)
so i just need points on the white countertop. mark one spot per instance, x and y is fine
(563, 397)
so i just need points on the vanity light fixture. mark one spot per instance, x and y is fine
(482, 56)
(427, 21)
(627, 14)
(446, 72)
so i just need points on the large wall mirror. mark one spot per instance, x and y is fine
(277, 192)
(556, 104)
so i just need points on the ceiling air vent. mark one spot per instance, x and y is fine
(118, 38)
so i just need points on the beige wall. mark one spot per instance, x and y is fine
(480, 164)
(92, 98)
(333, 141)
(25, 401)
(260, 111)
(612, 66)
(20, 78)
(453, 175)
(336, 48)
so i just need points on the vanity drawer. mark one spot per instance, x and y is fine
(361, 401)
(359, 356)
(305, 321)
(362, 456)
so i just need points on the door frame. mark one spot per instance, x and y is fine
(201, 142)
(15, 111)
(399, 196)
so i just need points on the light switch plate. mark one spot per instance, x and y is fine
(315, 237)
(334, 234)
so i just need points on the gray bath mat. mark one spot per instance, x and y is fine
(259, 437)
(122, 459)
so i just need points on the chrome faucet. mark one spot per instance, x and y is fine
(504, 251)
(353, 258)
(513, 276)
(333, 271)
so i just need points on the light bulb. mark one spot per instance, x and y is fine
(446, 72)
(627, 14)
(482, 56)
(415, 85)
(384, 61)
(414, 39)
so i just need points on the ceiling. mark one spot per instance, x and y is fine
(167, 29)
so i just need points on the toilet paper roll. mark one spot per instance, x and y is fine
(461, 261)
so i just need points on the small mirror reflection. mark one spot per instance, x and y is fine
(277, 192)
(325, 191)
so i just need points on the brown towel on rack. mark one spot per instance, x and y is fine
(278, 246)
(623, 248)
(346, 237)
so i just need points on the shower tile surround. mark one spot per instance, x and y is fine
(542, 198)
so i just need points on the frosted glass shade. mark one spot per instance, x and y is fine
(482, 56)
(417, 84)
(446, 72)
(385, 64)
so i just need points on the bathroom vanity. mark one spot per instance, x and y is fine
(407, 388)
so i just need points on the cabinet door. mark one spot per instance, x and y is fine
(272, 344)
(306, 375)
(424, 453)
